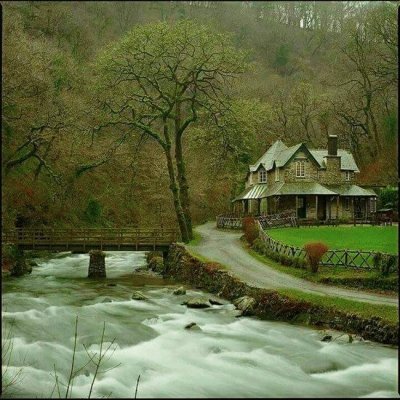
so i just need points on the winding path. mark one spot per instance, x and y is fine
(226, 248)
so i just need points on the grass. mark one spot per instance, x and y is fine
(387, 313)
(326, 272)
(196, 239)
(378, 238)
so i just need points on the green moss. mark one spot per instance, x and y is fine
(196, 239)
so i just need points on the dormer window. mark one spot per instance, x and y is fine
(300, 169)
(276, 174)
(262, 176)
(348, 175)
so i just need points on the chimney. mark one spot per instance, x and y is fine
(332, 145)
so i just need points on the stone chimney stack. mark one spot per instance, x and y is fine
(332, 173)
(332, 145)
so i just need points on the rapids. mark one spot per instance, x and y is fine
(229, 357)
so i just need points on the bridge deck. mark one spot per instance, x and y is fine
(76, 239)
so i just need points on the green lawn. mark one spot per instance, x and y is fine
(378, 238)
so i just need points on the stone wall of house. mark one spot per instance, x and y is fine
(310, 170)
(332, 174)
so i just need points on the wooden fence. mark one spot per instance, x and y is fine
(234, 221)
(361, 259)
(85, 238)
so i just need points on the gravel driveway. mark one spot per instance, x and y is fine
(225, 247)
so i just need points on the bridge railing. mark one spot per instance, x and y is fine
(88, 236)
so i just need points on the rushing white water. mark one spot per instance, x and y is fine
(229, 357)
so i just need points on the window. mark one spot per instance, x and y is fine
(347, 203)
(276, 174)
(300, 169)
(348, 175)
(262, 176)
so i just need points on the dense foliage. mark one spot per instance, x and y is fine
(315, 68)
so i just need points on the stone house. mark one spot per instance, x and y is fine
(317, 183)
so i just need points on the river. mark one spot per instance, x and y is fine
(229, 357)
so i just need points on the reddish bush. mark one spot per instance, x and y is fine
(250, 229)
(315, 252)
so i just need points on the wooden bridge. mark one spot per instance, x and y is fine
(86, 239)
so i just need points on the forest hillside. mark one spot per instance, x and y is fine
(298, 71)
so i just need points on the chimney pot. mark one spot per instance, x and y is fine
(332, 145)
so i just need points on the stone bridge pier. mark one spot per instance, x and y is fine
(97, 264)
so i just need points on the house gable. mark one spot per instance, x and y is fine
(281, 163)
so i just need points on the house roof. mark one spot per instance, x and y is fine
(302, 188)
(281, 154)
(252, 192)
(260, 191)
(351, 190)
(346, 159)
(268, 158)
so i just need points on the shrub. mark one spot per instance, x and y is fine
(388, 265)
(258, 245)
(250, 229)
(302, 263)
(377, 261)
(315, 252)
(93, 211)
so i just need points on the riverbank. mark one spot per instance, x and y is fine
(274, 305)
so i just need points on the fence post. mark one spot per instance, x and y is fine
(345, 258)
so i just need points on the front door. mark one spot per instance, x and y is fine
(322, 208)
(301, 207)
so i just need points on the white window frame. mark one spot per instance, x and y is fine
(276, 174)
(262, 176)
(300, 169)
(348, 176)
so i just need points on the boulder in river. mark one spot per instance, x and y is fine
(137, 295)
(193, 327)
(245, 304)
(197, 303)
(180, 291)
(106, 300)
(215, 302)
(326, 338)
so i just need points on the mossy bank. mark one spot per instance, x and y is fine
(271, 304)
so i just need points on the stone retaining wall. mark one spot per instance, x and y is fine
(270, 304)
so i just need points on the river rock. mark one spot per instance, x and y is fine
(245, 304)
(197, 303)
(180, 291)
(137, 295)
(106, 300)
(193, 327)
(111, 284)
(326, 338)
(156, 264)
(215, 302)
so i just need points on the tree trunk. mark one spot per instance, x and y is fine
(176, 196)
(183, 185)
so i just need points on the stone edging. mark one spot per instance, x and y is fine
(270, 304)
